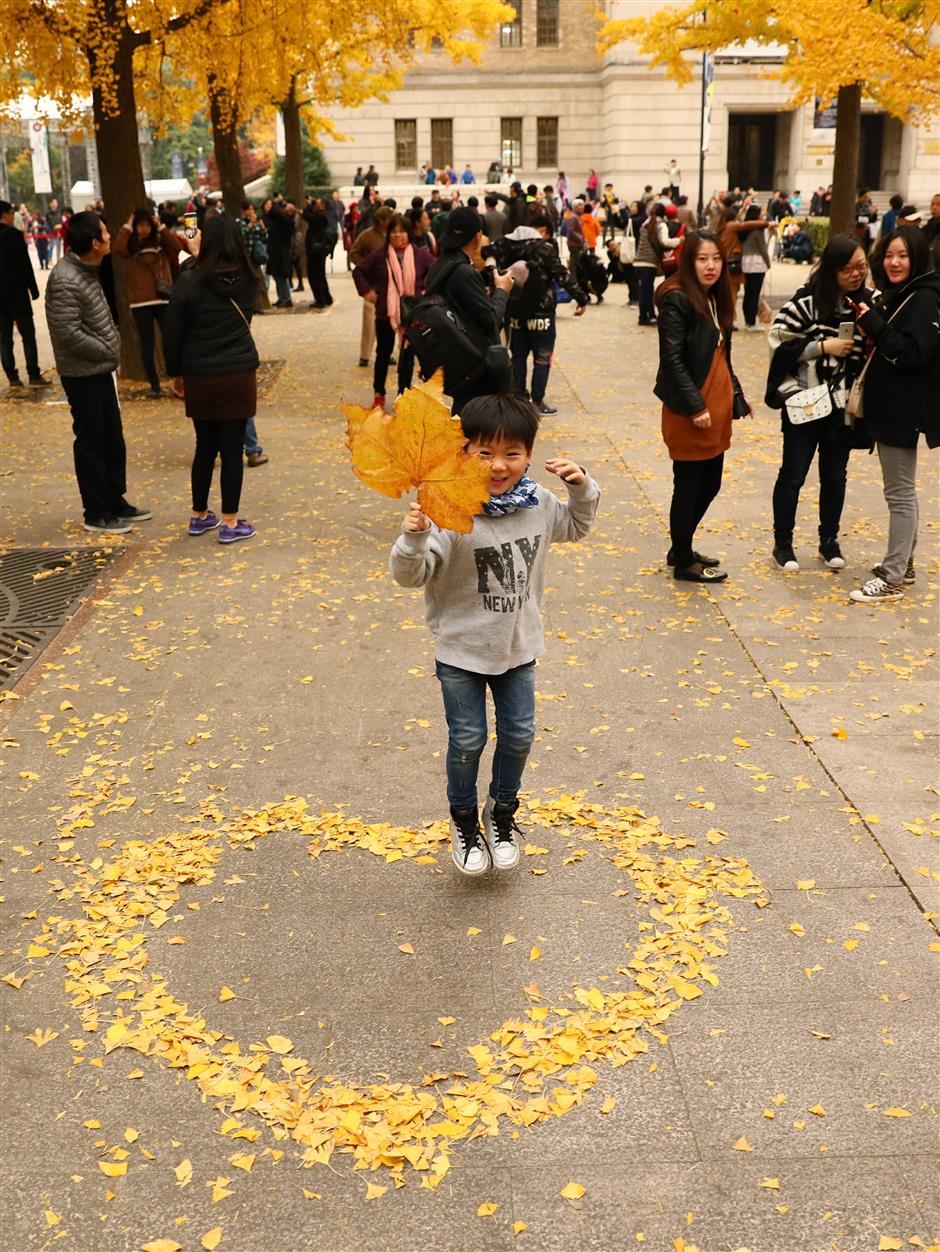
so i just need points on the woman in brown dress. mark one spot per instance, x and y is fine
(699, 391)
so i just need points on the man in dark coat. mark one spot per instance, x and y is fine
(280, 223)
(17, 290)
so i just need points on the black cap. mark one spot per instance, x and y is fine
(463, 224)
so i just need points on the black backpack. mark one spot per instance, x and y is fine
(436, 332)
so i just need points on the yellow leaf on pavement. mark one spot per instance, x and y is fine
(280, 1045)
(519, 1227)
(162, 1245)
(487, 1210)
(184, 1172)
(772, 1184)
(508, 939)
(888, 1243)
(113, 1169)
(226, 993)
(572, 1191)
(406, 948)
(742, 1145)
(898, 1112)
(818, 1110)
(212, 1238)
(374, 1191)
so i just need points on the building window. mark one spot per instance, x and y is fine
(510, 33)
(442, 142)
(406, 143)
(546, 23)
(510, 147)
(547, 134)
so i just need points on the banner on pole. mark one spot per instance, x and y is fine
(708, 79)
(39, 150)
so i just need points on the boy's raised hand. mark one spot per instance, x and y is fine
(567, 471)
(415, 520)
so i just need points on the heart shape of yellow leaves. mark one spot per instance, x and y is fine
(419, 445)
(534, 1066)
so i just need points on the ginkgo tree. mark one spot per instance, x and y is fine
(301, 56)
(885, 50)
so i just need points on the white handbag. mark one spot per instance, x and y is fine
(810, 405)
(628, 245)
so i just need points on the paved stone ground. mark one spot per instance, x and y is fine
(799, 727)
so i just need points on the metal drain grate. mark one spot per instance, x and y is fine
(40, 589)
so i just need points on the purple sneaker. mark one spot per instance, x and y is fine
(199, 525)
(231, 534)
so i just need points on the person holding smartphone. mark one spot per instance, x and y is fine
(816, 353)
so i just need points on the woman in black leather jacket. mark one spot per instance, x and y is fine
(699, 391)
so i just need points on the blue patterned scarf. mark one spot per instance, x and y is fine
(522, 496)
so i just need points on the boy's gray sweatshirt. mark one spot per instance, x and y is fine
(482, 591)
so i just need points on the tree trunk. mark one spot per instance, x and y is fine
(224, 117)
(293, 157)
(122, 179)
(845, 165)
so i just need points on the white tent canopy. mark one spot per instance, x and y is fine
(157, 189)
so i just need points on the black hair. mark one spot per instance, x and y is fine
(918, 251)
(541, 221)
(82, 231)
(823, 281)
(417, 202)
(473, 202)
(5, 207)
(532, 190)
(683, 201)
(222, 247)
(753, 213)
(511, 417)
(135, 243)
(490, 201)
(896, 201)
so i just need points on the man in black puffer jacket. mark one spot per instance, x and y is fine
(533, 303)
(87, 350)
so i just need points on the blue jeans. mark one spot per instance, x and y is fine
(464, 695)
(282, 287)
(251, 438)
(531, 335)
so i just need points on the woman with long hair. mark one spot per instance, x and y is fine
(733, 228)
(902, 392)
(147, 246)
(395, 269)
(652, 241)
(815, 344)
(212, 357)
(699, 391)
(755, 262)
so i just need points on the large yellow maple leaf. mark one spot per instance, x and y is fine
(419, 445)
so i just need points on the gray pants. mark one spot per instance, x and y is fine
(899, 471)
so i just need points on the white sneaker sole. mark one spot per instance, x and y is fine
(859, 597)
(837, 562)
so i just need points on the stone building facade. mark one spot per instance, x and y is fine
(543, 100)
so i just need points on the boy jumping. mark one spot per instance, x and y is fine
(482, 594)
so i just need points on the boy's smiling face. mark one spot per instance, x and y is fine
(508, 460)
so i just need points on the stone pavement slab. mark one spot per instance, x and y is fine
(204, 682)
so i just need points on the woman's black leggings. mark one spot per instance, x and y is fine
(144, 319)
(694, 485)
(218, 438)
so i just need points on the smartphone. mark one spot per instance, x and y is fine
(190, 225)
(846, 330)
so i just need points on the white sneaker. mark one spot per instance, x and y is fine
(876, 590)
(467, 846)
(503, 837)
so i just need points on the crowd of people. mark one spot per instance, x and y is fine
(499, 271)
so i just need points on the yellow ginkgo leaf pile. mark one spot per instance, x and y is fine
(537, 1065)
(419, 445)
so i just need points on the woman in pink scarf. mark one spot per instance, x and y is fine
(393, 270)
